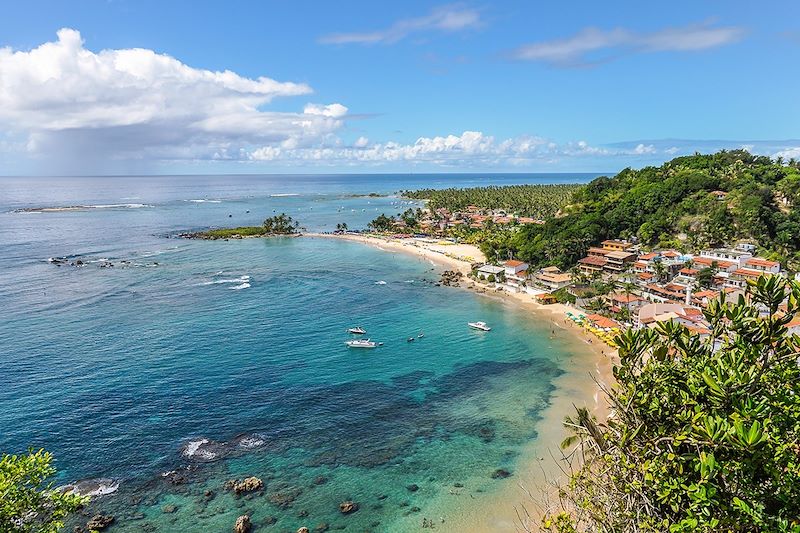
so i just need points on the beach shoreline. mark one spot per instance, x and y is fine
(520, 505)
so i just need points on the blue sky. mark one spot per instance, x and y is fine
(390, 87)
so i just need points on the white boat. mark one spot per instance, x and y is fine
(479, 325)
(357, 331)
(361, 343)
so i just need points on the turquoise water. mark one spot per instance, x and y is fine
(122, 371)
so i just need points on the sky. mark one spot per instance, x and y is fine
(153, 87)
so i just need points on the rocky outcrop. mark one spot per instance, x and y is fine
(501, 473)
(348, 507)
(250, 484)
(99, 522)
(451, 277)
(242, 525)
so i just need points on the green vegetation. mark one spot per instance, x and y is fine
(700, 440)
(673, 205)
(407, 221)
(688, 203)
(537, 201)
(28, 502)
(281, 224)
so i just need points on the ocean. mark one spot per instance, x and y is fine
(165, 367)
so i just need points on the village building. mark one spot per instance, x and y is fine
(490, 270)
(552, 278)
(616, 245)
(591, 266)
(617, 262)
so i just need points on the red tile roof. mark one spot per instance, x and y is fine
(513, 263)
(593, 260)
(757, 261)
(648, 257)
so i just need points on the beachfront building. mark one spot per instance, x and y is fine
(514, 267)
(490, 270)
(516, 274)
(552, 278)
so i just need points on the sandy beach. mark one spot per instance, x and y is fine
(539, 468)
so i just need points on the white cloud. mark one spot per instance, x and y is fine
(468, 148)
(592, 44)
(64, 98)
(450, 18)
(644, 149)
(332, 110)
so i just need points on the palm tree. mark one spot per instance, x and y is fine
(585, 429)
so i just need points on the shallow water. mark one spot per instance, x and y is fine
(241, 344)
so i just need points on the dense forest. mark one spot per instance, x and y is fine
(687, 203)
(537, 201)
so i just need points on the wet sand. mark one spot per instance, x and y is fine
(518, 505)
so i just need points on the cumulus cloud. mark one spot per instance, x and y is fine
(591, 45)
(63, 97)
(468, 148)
(450, 18)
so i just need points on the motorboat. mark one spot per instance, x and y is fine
(361, 343)
(357, 330)
(479, 325)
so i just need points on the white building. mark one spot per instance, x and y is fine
(490, 270)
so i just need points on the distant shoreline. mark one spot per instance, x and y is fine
(580, 385)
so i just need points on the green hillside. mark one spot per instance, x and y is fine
(673, 205)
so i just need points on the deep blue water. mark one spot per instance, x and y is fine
(115, 370)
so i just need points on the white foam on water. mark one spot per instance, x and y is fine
(117, 206)
(204, 201)
(381, 282)
(240, 287)
(280, 195)
(240, 280)
(252, 442)
(192, 448)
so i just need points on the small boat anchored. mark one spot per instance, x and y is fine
(361, 343)
(479, 325)
(357, 330)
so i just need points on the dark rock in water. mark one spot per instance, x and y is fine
(383, 496)
(270, 520)
(284, 499)
(209, 495)
(501, 473)
(169, 509)
(320, 480)
(348, 507)
(415, 509)
(302, 514)
(412, 488)
(99, 522)
(250, 484)
(458, 485)
(322, 528)
(242, 525)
